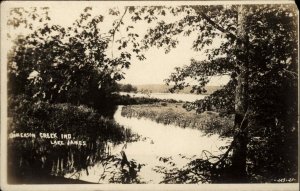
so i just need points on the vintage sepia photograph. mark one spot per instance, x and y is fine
(147, 93)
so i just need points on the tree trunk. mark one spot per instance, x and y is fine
(239, 174)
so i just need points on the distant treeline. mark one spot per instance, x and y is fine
(127, 100)
(126, 88)
(160, 88)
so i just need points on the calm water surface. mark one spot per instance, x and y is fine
(158, 140)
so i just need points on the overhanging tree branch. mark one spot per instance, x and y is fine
(115, 29)
(216, 25)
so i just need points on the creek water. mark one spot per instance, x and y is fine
(158, 140)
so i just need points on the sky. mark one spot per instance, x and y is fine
(157, 66)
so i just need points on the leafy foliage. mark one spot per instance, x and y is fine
(19, 17)
(54, 73)
(58, 65)
(128, 171)
(199, 72)
(269, 40)
(204, 170)
(221, 101)
(33, 157)
(70, 64)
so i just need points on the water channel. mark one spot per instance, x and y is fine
(158, 140)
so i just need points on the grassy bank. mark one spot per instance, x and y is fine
(29, 157)
(174, 113)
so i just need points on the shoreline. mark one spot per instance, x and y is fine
(173, 113)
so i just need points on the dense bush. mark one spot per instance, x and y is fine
(36, 156)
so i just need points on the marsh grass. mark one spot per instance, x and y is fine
(173, 113)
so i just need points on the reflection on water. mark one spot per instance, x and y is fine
(174, 96)
(158, 141)
(64, 139)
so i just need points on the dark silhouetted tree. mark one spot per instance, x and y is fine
(69, 64)
(256, 45)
